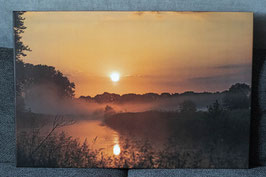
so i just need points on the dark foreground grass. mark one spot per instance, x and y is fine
(192, 140)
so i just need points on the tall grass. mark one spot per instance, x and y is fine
(196, 140)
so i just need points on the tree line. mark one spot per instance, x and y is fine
(237, 97)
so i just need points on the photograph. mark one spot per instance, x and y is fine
(133, 89)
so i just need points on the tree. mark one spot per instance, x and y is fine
(187, 106)
(237, 97)
(215, 109)
(19, 28)
(108, 111)
(165, 95)
(20, 49)
(31, 75)
(240, 88)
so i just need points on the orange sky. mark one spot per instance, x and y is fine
(152, 51)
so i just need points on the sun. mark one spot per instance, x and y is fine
(115, 77)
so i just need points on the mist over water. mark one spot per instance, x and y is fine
(45, 99)
(142, 125)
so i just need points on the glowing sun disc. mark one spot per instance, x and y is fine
(115, 77)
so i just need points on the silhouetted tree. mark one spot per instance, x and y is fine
(165, 95)
(108, 110)
(187, 106)
(215, 109)
(188, 93)
(19, 28)
(237, 97)
(30, 75)
(240, 87)
(106, 97)
(20, 49)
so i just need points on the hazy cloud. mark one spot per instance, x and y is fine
(224, 78)
(233, 66)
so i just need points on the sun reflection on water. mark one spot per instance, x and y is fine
(116, 149)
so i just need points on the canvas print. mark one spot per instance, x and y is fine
(120, 89)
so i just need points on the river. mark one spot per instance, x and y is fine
(98, 136)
